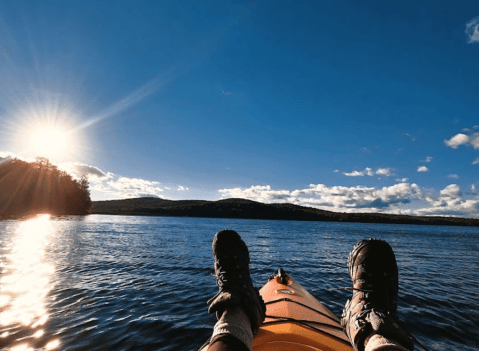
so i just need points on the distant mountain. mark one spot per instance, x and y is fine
(247, 209)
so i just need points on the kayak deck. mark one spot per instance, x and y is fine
(297, 321)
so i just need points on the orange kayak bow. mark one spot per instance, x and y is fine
(296, 321)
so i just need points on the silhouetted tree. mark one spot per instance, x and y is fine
(40, 187)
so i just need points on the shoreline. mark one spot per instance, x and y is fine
(247, 209)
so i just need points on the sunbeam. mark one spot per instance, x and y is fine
(132, 99)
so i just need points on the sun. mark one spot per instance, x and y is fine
(50, 138)
(47, 141)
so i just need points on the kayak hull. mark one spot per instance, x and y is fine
(296, 321)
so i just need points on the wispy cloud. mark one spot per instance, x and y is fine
(422, 169)
(428, 159)
(476, 161)
(411, 137)
(472, 31)
(454, 176)
(125, 103)
(369, 172)
(182, 188)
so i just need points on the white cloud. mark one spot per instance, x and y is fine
(455, 176)
(451, 191)
(476, 161)
(473, 188)
(369, 172)
(392, 199)
(475, 140)
(422, 169)
(457, 140)
(472, 31)
(182, 188)
(384, 171)
(6, 155)
(451, 202)
(402, 180)
(125, 187)
(428, 159)
(78, 169)
(339, 198)
(262, 193)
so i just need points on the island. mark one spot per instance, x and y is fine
(247, 209)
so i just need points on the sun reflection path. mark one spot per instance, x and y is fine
(25, 284)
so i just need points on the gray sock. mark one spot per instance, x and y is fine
(235, 321)
(380, 343)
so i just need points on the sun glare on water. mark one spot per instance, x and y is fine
(26, 280)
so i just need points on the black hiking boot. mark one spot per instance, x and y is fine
(231, 258)
(373, 306)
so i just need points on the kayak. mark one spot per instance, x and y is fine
(296, 321)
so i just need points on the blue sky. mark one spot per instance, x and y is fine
(345, 106)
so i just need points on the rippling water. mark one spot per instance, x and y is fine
(141, 283)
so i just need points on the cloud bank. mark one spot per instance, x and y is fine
(337, 198)
(449, 201)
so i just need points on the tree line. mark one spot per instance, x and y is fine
(28, 188)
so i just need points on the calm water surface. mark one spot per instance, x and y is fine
(141, 283)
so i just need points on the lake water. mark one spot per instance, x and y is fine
(141, 283)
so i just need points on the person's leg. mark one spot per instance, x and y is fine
(238, 305)
(369, 318)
